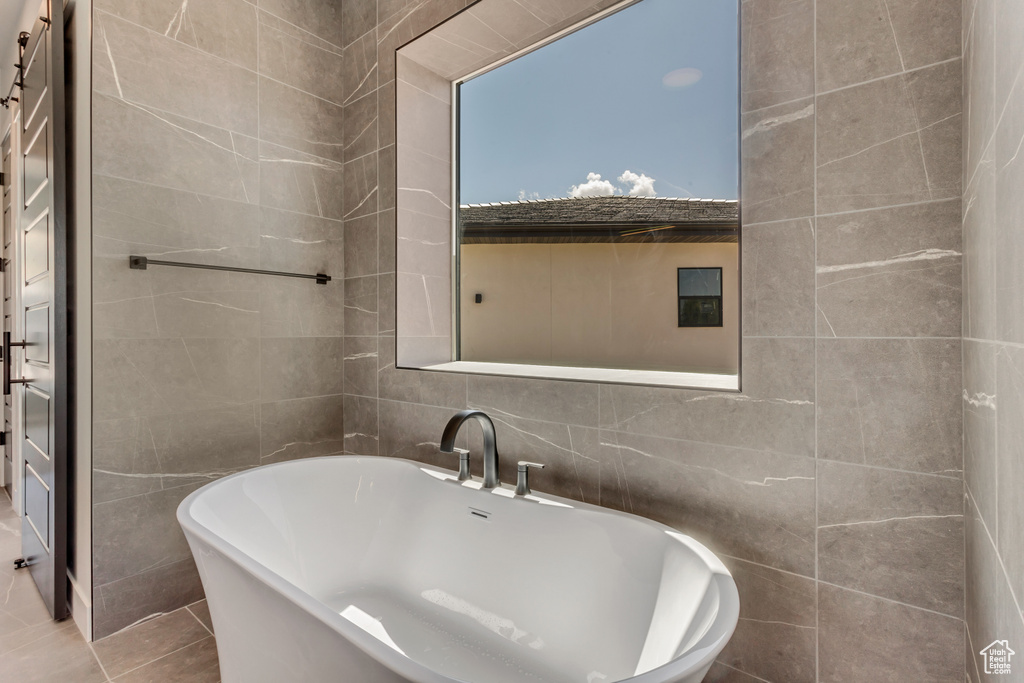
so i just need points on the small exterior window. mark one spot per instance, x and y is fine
(700, 297)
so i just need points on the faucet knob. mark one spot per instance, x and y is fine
(522, 480)
(464, 474)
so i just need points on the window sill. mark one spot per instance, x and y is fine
(686, 380)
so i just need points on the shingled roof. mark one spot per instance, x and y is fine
(601, 219)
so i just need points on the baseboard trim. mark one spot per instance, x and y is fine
(81, 609)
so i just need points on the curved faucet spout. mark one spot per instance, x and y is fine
(490, 446)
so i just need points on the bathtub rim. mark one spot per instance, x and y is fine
(698, 657)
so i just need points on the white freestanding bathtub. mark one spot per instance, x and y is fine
(367, 569)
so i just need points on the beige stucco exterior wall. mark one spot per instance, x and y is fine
(600, 304)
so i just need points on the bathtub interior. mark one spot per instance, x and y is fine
(474, 585)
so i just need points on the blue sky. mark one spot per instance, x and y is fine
(596, 102)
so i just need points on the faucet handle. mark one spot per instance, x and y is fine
(522, 480)
(464, 474)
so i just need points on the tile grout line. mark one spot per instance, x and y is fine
(995, 549)
(163, 656)
(817, 606)
(847, 212)
(815, 92)
(890, 600)
(188, 607)
(98, 661)
(964, 184)
(836, 585)
(745, 673)
(236, 65)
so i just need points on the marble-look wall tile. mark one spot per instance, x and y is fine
(856, 43)
(864, 638)
(359, 68)
(290, 55)
(299, 182)
(301, 428)
(361, 434)
(135, 212)
(183, 154)
(152, 376)
(191, 84)
(778, 267)
(296, 242)
(1010, 461)
(979, 403)
(386, 283)
(890, 272)
(859, 41)
(898, 535)
(360, 129)
(891, 403)
(323, 19)
(1008, 52)
(878, 143)
(778, 52)
(300, 367)
(775, 411)
(1009, 169)
(359, 189)
(992, 611)
(122, 448)
(387, 244)
(754, 505)
(361, 246)
(387, 176)
(296, 120)
(360, 366)
(219, 139)
(136, 534)
(222, 28)
(981, 249)
(299, 308)
(358, 17)
(386, 111)
(979, 81)
(431, 388)
(537, 399)
(413, 430)
(153, 591)
(777, 629)
(361, 306)
(777, 146)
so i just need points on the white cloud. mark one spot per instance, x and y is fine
(594, 187)
(525, 196)
(643, 186)
(681, 78)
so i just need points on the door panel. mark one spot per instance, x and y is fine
(37, 514)
(37, 421)
(7, 203)
(37, 241)
(37, 334)
(42, 286)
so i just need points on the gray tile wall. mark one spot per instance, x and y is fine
(219, 137)
(993, 326)
(832, 484)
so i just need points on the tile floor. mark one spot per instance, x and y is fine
(178, 646)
